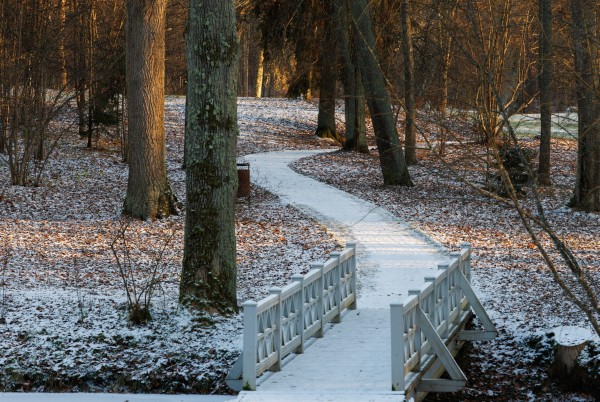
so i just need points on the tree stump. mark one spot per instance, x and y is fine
(570, 342)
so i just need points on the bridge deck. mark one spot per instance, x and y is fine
(352, 360)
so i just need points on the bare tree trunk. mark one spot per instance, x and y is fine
(446, 12)
(90, 72)
(410, 138)
(328, 63)
(587, 187)
(391, 156)
(545, 80)
(4, 87)
(354, 94)
(148, 191)
(208, 280)
(81, 63)
(243, 86)
(254, 63)
(61, 44)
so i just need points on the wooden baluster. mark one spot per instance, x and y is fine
(445, 300)
(300, 324)
(320, 303)
(337, 292)
(277, 335)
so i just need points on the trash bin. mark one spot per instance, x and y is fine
(243, 172)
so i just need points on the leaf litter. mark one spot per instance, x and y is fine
(64, 312)
(62, 304)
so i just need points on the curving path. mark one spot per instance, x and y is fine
(352, 361)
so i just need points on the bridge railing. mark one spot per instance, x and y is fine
(282, 322)
(428, 329)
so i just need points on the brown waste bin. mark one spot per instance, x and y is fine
(243, 172)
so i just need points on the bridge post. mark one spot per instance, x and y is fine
(249, 340)
(352, 262)
(467, 247)
(457, 292)
(397, 323)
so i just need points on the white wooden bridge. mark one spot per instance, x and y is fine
(357, 359)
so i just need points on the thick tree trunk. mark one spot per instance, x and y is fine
(587, 187)
(148, 191)
(328, 63)
(410, 138)
(545, 80)
(208, 281)
(354, 94)
(391, 156)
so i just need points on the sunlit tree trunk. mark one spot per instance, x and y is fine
(208, 280)
(148, 192)
(259, 75)
(391, 155)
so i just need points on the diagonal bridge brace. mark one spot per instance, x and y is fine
(457, 379)
(489, 329)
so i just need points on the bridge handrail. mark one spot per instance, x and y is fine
(428, 326)
(282, 322)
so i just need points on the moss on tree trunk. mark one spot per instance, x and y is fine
(208, 280)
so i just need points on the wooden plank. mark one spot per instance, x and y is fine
(441, 385)
(474, 335)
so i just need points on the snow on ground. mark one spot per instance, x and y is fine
(62, 314)
(63, 311)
